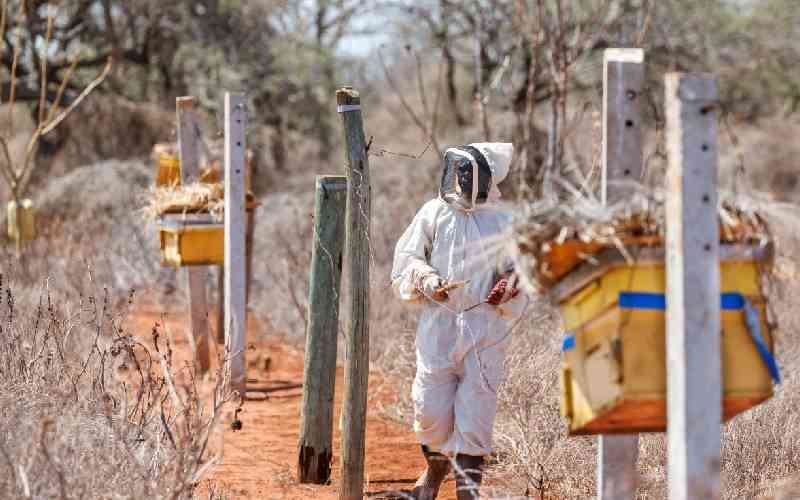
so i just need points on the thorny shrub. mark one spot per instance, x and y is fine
(88, 410)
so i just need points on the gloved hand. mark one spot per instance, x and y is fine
(431, 288)
(502, 292)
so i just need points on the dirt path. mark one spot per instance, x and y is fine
(259, 461)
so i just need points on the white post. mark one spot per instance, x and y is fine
(235, 261)
(189, 151)
(694, 373)
(623, 79)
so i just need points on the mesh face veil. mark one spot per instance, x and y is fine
(466, 177)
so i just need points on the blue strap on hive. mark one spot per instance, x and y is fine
(729, 302)
(657, 301)
(569, 342)
(754, 327)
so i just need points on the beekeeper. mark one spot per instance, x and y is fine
(450, 260)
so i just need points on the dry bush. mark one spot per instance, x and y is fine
(89, 219)
(85, 138)
(95, 412)
(533, 456)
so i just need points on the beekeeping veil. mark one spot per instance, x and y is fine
(471, 173)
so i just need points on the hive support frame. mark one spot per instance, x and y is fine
(693, 288)
(189, 154)
(623, 81)
(235, 254)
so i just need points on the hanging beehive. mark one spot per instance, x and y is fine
(614, 375)
(21, 220)
(169, 170)
(191, 242)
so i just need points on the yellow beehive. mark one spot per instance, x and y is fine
(21, 220)
(614, 377)
(191, 243)
(169, 170)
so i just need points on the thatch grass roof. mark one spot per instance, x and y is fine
(553, 236)
(191, 198)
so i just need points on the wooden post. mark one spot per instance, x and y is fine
(189, 151)
(357, 353)
(319, 374)
(694, 368)
(623, 79)
(221, 304)
(249, 242)
(235, 261)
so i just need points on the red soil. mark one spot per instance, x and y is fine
(259, 461)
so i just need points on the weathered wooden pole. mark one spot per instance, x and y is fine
(220, 274)
(319, 374)
(623, 79)
(357, 226)
(694, 367)
(189, 151)
(221, 304)
(235, 258)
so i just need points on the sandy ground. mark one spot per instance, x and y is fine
(259, 461)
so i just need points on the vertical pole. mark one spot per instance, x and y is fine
(221, 304)
(623, 78)
(319, 374)
(694, 367)
(249, 241)
(189, 151)
(235, 262)
(357, 225)
(251, 224)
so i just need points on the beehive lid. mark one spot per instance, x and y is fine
(602, 262)
(183, 224)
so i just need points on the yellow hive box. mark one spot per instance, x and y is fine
(614, 377)
(21, 220)
(191, 243)
(169, 170)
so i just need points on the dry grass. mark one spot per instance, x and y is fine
(534, 455)
(548, 225)
(95, 412)
(195, 197)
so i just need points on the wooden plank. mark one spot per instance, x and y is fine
(651, 415)
(319, 374)
(221, 305)
(694, 375)
(235, 259)
(188, 138)
(623, 78)
(357, 226)
(612, 257)
(249, 242)
(189, 152)
(617, 457)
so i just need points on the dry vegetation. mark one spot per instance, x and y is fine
(91, 409)
(73, 425)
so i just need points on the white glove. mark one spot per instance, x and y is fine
(431, 285)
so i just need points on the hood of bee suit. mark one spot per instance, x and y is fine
(498, 155)
(471, 173)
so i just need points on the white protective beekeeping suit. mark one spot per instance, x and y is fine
(460, 348)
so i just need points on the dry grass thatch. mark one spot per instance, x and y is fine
(190, 198)
(553, 236)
